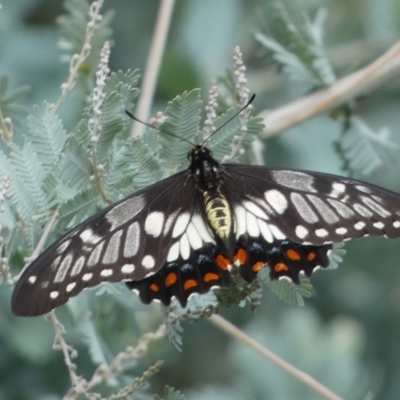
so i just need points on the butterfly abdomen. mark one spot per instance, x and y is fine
(218, 213)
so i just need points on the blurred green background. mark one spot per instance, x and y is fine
(348, 336)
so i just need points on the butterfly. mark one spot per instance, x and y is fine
(186, 233)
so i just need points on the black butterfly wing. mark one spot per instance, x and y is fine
(128, 241)
(159, 241)
(290, 218)
(310, 207)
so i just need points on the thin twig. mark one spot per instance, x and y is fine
(153, 65)
(43, 239)
(5, 133)
(78, 384)
(381, 70)
(104, 372)
(290, 369)
(78, 59)
(95, 122)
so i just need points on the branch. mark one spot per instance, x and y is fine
(153, 65)
(104, 372)
(78, 383)
(78, 59)
(290, 369)
(367, 79)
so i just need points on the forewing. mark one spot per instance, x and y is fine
(309, 207)
(129, 241)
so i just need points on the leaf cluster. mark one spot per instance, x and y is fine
(300, 53)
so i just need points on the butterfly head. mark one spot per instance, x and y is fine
(199, 152)
(204, 168)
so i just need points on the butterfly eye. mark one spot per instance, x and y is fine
(189, 155)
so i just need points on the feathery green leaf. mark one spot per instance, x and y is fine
(364, 150)
(183, 117)
(79, 206)
(47, 134)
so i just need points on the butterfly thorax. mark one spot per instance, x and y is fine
(205, 171)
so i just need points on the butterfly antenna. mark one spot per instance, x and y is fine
(230, 119)
(157, 129)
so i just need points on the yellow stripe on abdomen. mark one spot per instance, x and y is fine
(218, 213)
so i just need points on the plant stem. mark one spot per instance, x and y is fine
(153, 65)
(374, 75)
(290, 369)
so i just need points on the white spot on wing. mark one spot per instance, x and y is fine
(131, 243)
(362, 210)
(240, 218)
(112, 250)
(87, 277)
(277, 200)
(181, 224)
(95, 255)
(255, 210)
(363, 188)
(70, 286)
(86, 234)
(63, 246)
(127, 268)
(263, 204)
(125, 211)
(173, 253)
(169, 222)
(63, 268)
(374, 206)
(341, 231)
(265, 231)
(54, 294)
(32, 279)
(301, 231)
(201, 228)
(77, 267)
(89, 237)
(341, 209)
(379, 225)
(396, 224)
(194, 238)
(184, 247)
(106, 272)
(359, 225)
(325, 211)
(55, 263)
(148, 262)
(303, 208)
(154, 223)
(321, 232)
(252, 226)
(277, 232)
(294, 180)
(338, 189)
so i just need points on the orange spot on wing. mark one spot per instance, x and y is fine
(210, 276)
(154, 287)
(171, 279)
(240, 257)
(293, 255)
(258, 265)
(281, 267)
(189, 284)
(222, 262)
(311, 256)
